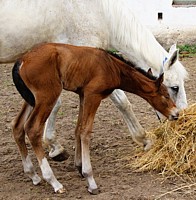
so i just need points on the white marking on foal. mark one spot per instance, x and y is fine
(87, 169)
(20, 65)
(29, 170)
(48, 175)
(92, 184)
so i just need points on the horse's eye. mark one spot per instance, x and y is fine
(175, 89)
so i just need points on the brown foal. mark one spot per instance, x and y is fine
(41, 75)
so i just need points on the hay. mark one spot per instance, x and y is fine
(174, 148)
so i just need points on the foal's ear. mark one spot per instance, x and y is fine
(159, 81)
(150, 71)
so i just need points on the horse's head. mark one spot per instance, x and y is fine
(160, 99)
(174, 76)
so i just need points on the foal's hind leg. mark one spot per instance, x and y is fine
(57, 152)
(137, 132)
(34, 128)
(19, 136)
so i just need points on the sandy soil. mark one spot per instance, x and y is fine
(112, 152)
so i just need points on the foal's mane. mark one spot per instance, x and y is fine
(120, 57)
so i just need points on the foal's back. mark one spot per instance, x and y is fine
(73, 66)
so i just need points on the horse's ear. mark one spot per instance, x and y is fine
(171, 60)
(173, 48)
(159, 81)
(150, 71)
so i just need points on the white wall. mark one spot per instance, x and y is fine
(178, 23)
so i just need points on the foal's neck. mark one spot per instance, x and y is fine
(133, 81)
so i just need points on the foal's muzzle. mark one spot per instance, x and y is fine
(174, 114)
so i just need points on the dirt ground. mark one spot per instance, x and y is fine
(112, 152)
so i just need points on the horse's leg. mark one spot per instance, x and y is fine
(78, 153)
(90, 105)
(19, 136)
(137, 132)
(34, 128)
(57, 152)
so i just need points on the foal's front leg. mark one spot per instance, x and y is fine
(137, 132)
(90, 106)
(78, 150)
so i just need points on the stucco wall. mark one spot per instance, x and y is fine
(178, 23)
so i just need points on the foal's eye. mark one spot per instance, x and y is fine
(175, 89)
(167, 97)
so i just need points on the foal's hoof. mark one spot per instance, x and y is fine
(80, 170)
(61, 157)
(93, 191)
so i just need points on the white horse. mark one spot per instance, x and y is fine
(97, 23)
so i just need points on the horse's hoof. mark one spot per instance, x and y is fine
(148, 145)
(61, 191)
(93, 191)
(61, 157)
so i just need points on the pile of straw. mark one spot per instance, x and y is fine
(174, 150)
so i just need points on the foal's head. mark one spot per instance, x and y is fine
(159, 98)
(153, 91)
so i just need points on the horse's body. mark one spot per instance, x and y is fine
(93, 74)
(97, 23)
(26, 23)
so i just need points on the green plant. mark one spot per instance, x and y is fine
(190, 49)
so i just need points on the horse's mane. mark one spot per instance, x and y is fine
(133, 39)
(120, 57)
(130, 36)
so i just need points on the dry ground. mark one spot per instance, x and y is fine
(111, 146)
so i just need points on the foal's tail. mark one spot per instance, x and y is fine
(20, 85)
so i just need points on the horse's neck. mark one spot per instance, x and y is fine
(130, 37)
